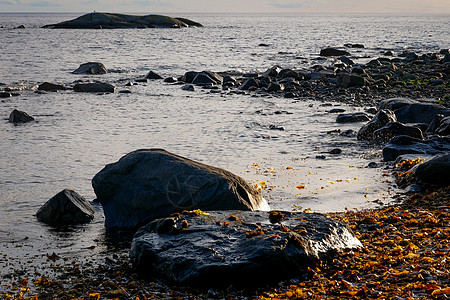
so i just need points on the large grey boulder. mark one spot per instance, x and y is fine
(435, 171)
(153, 183)
(95, 87)
(110, 21)
(18, 116)
(66, 208)
(381, 119)
(93, 68)
(408, 145)
(243, 248)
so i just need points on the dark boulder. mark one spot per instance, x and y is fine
(91, 68)
(420, 112)
(395, 103)
(203, 79)
(46, 86)
(171, 80)
(5, 95)
(434, 124)
(249, 84)
(239, 248)
(383, 117)
(96, 87)
(272, 71)
(274, 87)
(66, 208)
(153, 183)
(152, 75)
(408, 145)
(435, 171)
(393, 129)
(18, 116)
(346, 60)
(188, 87)
(189, 76)
(444, 127)
(285, 73)
(352, 117)
(346, 80)
(333, 52)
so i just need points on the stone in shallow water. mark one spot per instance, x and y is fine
(66, 208)
(243, 248)
(152, 183)
(408, 145)
(91, 68)
(18, 116)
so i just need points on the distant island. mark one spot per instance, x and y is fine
(97, 20)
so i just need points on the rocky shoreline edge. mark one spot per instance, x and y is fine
(410, 259)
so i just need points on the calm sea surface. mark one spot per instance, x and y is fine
(77, 134)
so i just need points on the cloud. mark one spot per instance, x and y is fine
(148, 3)
(43, 4)
(8, 2)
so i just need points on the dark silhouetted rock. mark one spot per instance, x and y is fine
(239, 248)
(66, 208)
(188, 87)
(5, 95)
(408, 145)
(91, 68)
(435, 171)
(189, 22)
(249, 84)
(203, 79)
(348, 80)
(444, 127)
(96, 87)
(352, 117)
(46, 86)
(420, 112)
(18, 116)
(333, 52)
(346, 60)
(393, 129)
(110, 21)
(395, 103)
(153, 183)
(170, 80)
(153, 75)
(383, 117)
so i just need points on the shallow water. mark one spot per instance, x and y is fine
(77, 134)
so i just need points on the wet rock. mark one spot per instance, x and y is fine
(336, 110)
(420, 112)
(381, 119)
(142, 80)
(335, 151)
(248, 84)
(388, 53)
(188, 87)
(170, 80)
(20, 27)
(203, 79)
(393, 129)
(91, 68)
(272, 72)
(434, 171)
(354, 46)
(66, 208)
(274, 87)
(152, 75)
(444, 127)
(286, 73)
(96, 87)
(408, 145)
(46, 86)
(18, 116)
(189, 76)
(352, 117)
(240, 248)
(434, 124)
(395, 103)
(346, 60)
(346, 80)
(5, 95)
(333, 52)
(152, 183)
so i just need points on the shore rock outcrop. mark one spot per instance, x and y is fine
(434, 171)
(47, 86)
(98, 20)
(18, 116)
(408, 145)
(152, 183)
(243, 248)
(66, 208)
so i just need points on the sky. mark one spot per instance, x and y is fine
(235, 6)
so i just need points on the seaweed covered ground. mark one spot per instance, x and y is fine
(405, 256)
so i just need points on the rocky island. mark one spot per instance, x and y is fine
(98, 20)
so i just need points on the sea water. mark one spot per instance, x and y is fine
(76, 134)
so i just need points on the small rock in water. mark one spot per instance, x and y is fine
(188, 87)
(66, 208)
(153, 75)
(333, 52)
(352, 117)
(91, 68)
(96, 87)
(46, 86)
(18, 116)
(335, 151)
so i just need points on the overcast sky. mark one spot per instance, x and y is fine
(160, 6)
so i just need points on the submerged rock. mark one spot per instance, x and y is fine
(66, 208)
(153, 183)
(91, 68)
(96, 87)
(18, 116)
(109, 21)
(243, 248)
(408, 145)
